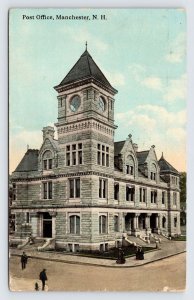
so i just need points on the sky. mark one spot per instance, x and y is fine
(142, 53)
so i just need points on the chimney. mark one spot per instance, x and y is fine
(135, 147)
(48, 131)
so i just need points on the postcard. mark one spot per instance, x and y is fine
(97, 115)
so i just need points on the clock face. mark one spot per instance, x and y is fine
(101, 104)
(75, 103)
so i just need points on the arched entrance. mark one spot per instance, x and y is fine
(129, 222)
(153, 222)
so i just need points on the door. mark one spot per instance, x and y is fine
(47, 225)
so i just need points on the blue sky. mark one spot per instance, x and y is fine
(140, 51)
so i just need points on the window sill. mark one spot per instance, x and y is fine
(74, 200)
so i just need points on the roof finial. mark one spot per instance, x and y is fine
(27, 147)
(162, 155)
(86, 45)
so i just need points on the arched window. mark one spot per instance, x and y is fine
(130, 165)
(153, 171)
(102, 224)
(47, 160)
(74, 224)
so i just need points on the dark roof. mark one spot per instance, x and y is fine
(166, 166)
(85, 68)
(141, 156)
(118, 146)
(29, 162)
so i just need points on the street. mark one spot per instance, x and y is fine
(165, 275)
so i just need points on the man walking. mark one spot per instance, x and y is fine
(24, 259)
(43, 278)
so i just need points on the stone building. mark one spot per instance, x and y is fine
(85, 190)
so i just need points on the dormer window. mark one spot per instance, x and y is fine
(130, 165)
(47, 160)
(153, 172)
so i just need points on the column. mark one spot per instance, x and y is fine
(148, 221)
(137, 220)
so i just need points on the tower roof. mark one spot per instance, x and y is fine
(166, 166)
(85, 68)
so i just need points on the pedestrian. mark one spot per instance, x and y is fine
(24, 259)
(43, 278)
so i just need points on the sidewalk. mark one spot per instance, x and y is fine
(167, 250)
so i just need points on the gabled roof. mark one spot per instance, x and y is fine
(85, 68)
(118, 146)
(141, 156)
(29, 162)
(166, 166)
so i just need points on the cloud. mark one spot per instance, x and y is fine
(161, 114)
(154, 83)
(138, 71)
(170, 89)
(175, 89)
(177, 49)
(177, 134)
(115, 78)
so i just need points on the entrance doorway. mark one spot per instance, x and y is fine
(47, 225)
(153, 222)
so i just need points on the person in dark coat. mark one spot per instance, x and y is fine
(24, 259)
(43, 278)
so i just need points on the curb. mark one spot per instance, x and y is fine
(101, 265)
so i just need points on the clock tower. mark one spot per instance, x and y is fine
(86, 118)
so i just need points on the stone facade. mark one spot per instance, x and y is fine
(84, 189)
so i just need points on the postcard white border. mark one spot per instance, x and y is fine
(5, 5)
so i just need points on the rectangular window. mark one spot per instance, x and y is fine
(77, 188)
(102, 188)
(98, 157)
(107, 160)
(68, 159)
(71, 185)
(47, 190)
(116, 223)
(174, 198)
(103, 159)
(153, 197)
(131, 170)
(142, 195)
(50, 190)
(74, 188)
(80, 157)
(127, 169)
(163, 197)
(45, 164)
(74, 158)
(116, 191)
(130, 193)
(50, 163)
(102, 224)
(74, 154)
(27, 217)
(74, 224)
(102, 155)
